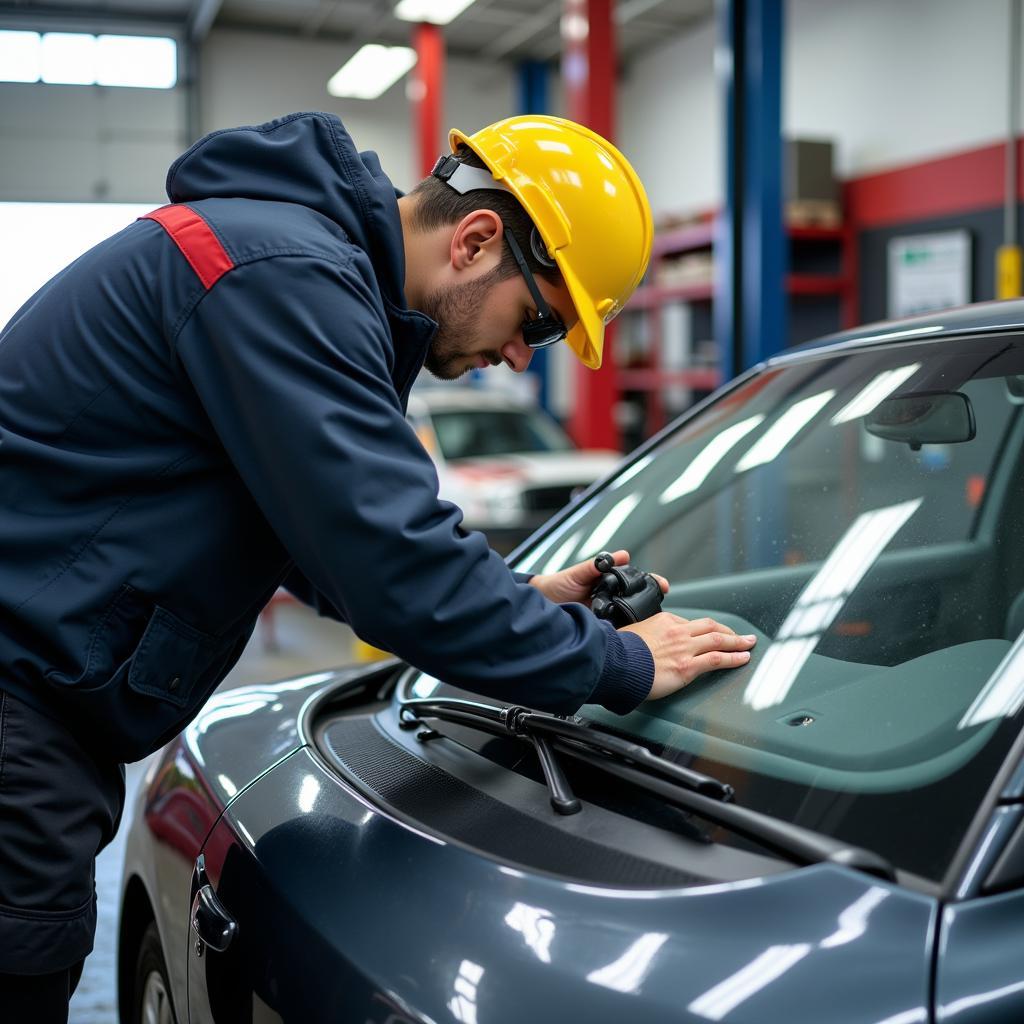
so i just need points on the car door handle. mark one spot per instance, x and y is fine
(210, 921)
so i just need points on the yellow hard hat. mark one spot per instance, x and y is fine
(586, 202)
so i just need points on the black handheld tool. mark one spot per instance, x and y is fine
(624, 594)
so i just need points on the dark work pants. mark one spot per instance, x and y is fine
(39, 998)
(60, 804)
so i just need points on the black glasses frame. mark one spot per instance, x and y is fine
(547, 327)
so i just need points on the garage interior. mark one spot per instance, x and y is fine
(802, 159)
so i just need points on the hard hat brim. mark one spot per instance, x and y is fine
(586, 339)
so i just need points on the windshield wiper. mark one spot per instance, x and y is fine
(700, 794)
(543, 730)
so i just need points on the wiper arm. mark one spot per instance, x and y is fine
(692, 791)
(488, 719)
(539, 728)
(793, 841)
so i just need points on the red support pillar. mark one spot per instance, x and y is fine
(428, 94)
(589, 71)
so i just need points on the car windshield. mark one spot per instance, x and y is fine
(860, 512)
(474, 433)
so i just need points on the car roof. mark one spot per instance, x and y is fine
(445, 399)
(978, 318)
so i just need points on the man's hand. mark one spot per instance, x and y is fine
(686, 648)
(576, 582)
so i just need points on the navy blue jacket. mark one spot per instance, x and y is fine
(203, 408)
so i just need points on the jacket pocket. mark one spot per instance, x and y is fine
(110, 642)
(161, 680)
(173, 659)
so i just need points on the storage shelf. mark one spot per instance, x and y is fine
(809, 234)
(677, 241)
(815, 284)
(651, 296)
(823, 270)
(706, 379)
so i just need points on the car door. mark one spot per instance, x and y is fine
(277, 887)
(979, 968)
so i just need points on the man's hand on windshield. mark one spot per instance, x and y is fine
(576, 582)
(686, 648)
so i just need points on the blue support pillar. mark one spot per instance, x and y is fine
(751, 250)
(750, 247)
(532, 98)
(533, 78)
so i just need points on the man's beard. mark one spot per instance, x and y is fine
(457, 310)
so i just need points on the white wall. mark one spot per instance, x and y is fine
(49, 237)
(250, 77)
(668, 120)
(82, 143)
(889, 81)
(70, 143)
(896, 81)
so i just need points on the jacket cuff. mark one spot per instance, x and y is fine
(628, 673)
(523, 577)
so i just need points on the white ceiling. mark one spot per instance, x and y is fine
(492, 29)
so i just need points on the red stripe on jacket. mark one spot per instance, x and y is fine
(196, 240)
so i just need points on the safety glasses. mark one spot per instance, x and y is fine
(545, 328)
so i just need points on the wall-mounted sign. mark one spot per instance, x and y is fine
(927, 272)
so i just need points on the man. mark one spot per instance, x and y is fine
(210, 404)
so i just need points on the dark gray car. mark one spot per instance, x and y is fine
(833, 832)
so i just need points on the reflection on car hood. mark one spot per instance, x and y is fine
(242, 732)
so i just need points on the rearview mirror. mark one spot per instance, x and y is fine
(928, 417)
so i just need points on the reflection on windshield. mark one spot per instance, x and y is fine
(561, 555)
(884, 577)
(1003, 695)
(700, 468)
(821, 601)
(783, 430)
(865, 402)
(605, 529)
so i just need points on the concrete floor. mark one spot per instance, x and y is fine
(305, 643)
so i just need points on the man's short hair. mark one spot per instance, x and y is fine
(438, 205)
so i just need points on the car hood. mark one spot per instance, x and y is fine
(243, 732)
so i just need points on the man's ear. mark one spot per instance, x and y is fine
(476, 241)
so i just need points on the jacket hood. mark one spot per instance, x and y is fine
(309, 159)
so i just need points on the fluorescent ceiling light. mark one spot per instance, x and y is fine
(143, 62)
(437, 12)
(77, 58)
(371, 71)
(69, 58)
(20, 56)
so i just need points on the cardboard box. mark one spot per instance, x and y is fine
(808, 171)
